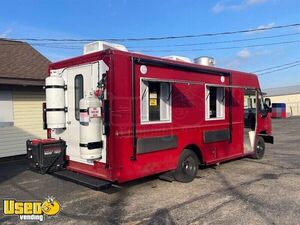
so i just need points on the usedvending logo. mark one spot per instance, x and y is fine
(31, 210)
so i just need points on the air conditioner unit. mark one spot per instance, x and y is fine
(102, 45)
(178, 58)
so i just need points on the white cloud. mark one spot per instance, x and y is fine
(227, 5)
(219, 7)
(5, 33)
(244, 54)
(253, 2)
(265, 26)
(270, 25)
(297, 28)
(245, 59)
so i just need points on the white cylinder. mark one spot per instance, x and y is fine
(55, 102)
(90, 127)
(205, 61)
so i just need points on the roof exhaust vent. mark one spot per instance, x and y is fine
(205, 61)
(102, 45)
(178, 58)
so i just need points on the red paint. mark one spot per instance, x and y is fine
(43, 141)
(188, 117)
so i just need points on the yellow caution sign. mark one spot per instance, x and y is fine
(153, 102)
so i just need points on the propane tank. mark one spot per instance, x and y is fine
(90, 127)
(55, 102)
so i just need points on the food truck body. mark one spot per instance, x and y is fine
(125, 115)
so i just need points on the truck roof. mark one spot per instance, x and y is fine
(238, 78)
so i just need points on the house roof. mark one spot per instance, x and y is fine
(290, 90)
(21, 64)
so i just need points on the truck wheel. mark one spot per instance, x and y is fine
(259, 150)
(187, 167)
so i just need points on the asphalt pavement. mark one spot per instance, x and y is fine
(243, 191)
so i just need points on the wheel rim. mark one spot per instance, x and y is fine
(189, 166)
(259, 148)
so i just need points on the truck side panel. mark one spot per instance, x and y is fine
(188, 120)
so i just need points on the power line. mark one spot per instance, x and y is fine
(55, 46)
(273, 71)
(157, 46)
(194, 50)
(222, 48)
(164, 37)
(46, 45)
(216, 42)
(275, 67)
(195, 44)
(49, 45)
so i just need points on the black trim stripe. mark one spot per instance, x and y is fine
(133, 111)
(83, 110)
(146, 145)
(54, 86)
(216, 135)
(55, 109)
(92, 145)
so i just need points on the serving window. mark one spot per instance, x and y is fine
(155, 101)
(214, 103)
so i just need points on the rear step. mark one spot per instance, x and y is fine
(167, 176)
(83, 179)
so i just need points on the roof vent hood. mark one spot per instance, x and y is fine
(205, 61)
(178, 58)
(102, 45)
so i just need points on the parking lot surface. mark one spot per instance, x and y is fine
(243, 191)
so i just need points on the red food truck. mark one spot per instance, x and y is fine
(115, 116)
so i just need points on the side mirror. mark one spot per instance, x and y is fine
(268, 102)
(267, 109)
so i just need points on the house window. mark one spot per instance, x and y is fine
(155, 101)
(215, 102)
(78, 94)
(6, 109)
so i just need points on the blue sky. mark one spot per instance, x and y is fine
(137, 18)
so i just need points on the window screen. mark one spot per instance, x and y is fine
(6, 108)
(78, 94)
(215, 102)
(155, 101)
(165, 95)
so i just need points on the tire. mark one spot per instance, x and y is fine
(259, 150)
(187, 167)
